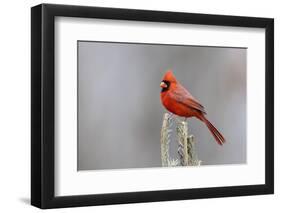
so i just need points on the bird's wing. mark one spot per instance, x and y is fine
(182, 96)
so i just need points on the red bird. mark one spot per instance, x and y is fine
(179, 101)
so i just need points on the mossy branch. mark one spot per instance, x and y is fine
(165, 139)
(186, 150)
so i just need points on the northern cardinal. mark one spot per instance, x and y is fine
(179, 101)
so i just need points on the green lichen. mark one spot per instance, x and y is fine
(186, 149)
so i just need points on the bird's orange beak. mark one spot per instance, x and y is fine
(163, 85)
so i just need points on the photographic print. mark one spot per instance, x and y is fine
(157, 105)
(145, 98)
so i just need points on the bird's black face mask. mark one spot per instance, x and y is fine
(164, 85)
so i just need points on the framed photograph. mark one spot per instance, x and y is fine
(139, 106)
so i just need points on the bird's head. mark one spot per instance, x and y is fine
(167, 81)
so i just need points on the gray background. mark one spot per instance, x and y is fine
(119, 108)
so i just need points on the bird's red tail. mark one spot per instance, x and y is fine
(217, 135)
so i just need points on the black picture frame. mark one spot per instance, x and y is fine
(43, 110)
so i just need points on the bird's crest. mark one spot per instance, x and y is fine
(169, 76)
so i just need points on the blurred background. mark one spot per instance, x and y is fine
(120, 112)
